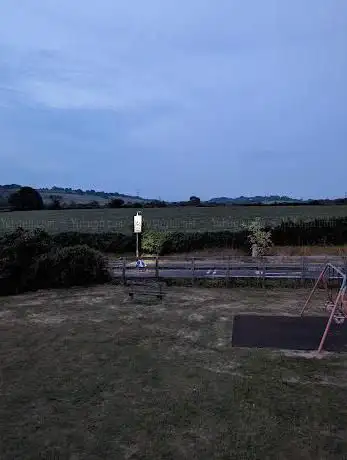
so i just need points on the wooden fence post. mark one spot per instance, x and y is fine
(193, 271)
(263, 267)
(157, 268)
(303, 271)
(259, 271)
(123, 271)
(228, 273)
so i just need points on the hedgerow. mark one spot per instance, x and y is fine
(32, 260)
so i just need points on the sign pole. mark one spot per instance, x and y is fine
(137, 230)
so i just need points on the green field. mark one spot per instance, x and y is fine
(173, 219)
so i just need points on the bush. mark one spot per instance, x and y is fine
(318, 232)
(18, 251)
(104, 242)
(175, 242)
(153, 242)
(32, 260)
(71, 266)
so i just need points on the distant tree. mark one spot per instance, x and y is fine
(26, 199)
(56, 202)
(195, 200)
(103, 194)
(137, 204)
(10, 186)
(72, 205)
(4, 205)
(116, 203)
(94, 204)
(3, 202)
(155, 204)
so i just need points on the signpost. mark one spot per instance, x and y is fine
(137, 230)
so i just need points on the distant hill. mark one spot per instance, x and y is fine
(255, 199)
(76, 195)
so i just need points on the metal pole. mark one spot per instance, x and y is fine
(329, 322)
(303, 271)
(137, 245)
(314, 288)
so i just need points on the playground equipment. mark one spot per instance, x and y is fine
(331, 277)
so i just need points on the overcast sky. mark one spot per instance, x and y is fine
(171, 98)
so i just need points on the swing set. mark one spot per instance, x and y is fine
(333, 280)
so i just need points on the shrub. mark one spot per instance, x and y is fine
(104, 242)
(32, 260)
(153, 242)
(175, 242)
(259, 238)
(71, 266)
(18, 251)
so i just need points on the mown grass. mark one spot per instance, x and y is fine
(171, 219)
(87, 374)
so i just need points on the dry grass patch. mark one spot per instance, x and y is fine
(89, 374)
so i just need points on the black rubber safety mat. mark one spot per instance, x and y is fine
(287, 332)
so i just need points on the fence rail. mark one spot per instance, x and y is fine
(301, 268)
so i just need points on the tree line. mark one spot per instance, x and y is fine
(27, 198)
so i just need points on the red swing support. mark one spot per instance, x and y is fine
(338, 306)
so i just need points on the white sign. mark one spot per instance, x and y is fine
(137, 223)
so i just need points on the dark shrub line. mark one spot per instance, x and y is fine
(331, 232)
(33, 260)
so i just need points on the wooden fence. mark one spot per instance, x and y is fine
(300, 268)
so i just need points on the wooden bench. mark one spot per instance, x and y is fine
(154, 289)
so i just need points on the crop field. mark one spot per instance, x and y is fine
(90, 374)
(184, 219)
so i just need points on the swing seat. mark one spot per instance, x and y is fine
(339, 318)
(329, 305)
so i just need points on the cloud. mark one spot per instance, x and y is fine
(172, 86)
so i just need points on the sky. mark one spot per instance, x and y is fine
(173, 98)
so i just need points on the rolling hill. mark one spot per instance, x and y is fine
(255, 199)
(69, 195)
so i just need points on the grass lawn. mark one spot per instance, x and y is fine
(89, 374)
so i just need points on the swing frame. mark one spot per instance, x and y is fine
(336, 304)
